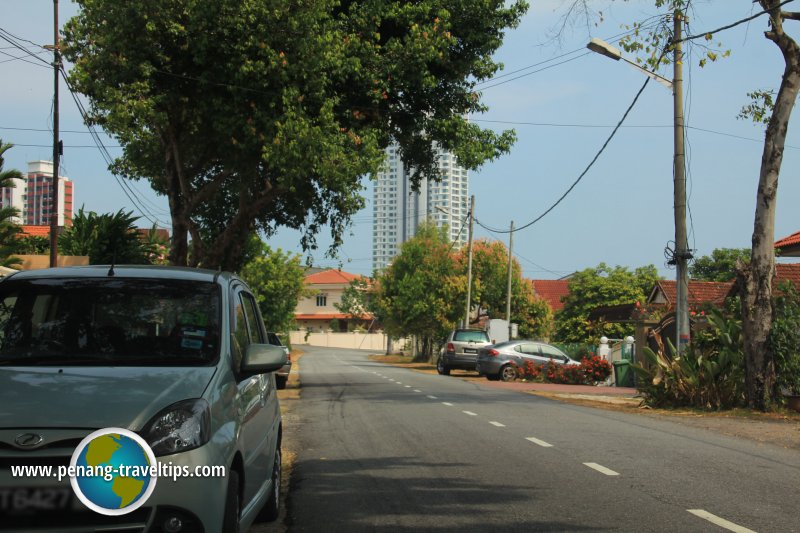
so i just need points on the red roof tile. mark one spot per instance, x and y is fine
(700, 292)
(35, 231)
(326, 316)
(791, 240)
(788, 272)
(331, 277)
(552, 291)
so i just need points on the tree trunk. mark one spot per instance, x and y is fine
(755, 280)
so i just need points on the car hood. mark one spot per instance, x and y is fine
(91, 397)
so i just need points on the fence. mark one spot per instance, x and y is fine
(351, 340)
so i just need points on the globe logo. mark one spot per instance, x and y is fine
(113, 474)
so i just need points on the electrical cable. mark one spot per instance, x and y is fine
(589, 166)
(126, 189)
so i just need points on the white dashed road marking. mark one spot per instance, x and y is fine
(470, 413)
(448, 404)
(602, 469)
(433, 397)
(498, 424)
(721, 522)
(408, 386)
(541, 443)
(417, 390)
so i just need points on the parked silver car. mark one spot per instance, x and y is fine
(460, 351)
(282, 374)
(174, 359)
(500, 361)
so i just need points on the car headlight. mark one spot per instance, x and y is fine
(180, 427)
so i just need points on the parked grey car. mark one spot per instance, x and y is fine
(460, 351)
(282, 374)
(499, 361)
(177, 356)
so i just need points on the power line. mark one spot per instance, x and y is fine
(126, 189)
(640, 126)
(585, 171)
(534, 72)
(733, 25)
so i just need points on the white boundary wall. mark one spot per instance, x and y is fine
(353, 340)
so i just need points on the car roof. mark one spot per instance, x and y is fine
(124, 271)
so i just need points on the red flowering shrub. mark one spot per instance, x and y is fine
(596, 369)
(591, 370)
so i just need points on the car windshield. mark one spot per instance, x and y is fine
(108, 321)
(471, 336)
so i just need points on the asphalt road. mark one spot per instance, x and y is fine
(389, 449)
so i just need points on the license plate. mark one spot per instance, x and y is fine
(34, 499)
(470, 350)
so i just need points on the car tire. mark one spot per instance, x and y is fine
(280, 382)
(442, 368)
(508, 373)
(230, 521)
(273, 506)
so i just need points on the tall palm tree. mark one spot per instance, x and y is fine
(8, 229)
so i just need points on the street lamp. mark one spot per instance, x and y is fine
(603, 48)
(682, 252)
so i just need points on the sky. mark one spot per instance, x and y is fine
(563, 104)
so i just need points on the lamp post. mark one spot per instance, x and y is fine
(682, 252)
(469, 254)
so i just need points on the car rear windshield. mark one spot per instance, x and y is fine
(109, 321)
(471, 336)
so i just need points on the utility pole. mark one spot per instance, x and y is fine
(682, 253)
(508, 296)
(56, 143)
(469, 258)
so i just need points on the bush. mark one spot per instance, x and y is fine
(709, 375)
(785, 340)
(591, 370)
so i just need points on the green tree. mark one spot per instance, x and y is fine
(422, 291)
(720, 265)
(356, 301)
(277, 280)
(9, 231)
(33, 245)
(767, 107)
(598, 287)
(107, 238)
(251, 115)
(490, 289)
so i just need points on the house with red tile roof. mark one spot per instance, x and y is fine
(552, 291)
(788, 246)
(318, 311)
(700, 293)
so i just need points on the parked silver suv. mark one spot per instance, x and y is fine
(172, 360)
(460, 351)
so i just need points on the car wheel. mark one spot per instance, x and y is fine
(230, 522)
(273, 506)
(508, 373)
(441, 368)
(280, 382)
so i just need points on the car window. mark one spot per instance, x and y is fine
(253, 320)
(528, 349)
(273, 339)
(116, 321)
(553, 353)
(473, 336)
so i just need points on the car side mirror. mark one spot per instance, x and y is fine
(262, 358)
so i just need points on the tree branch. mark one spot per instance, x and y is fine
(790, 15)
